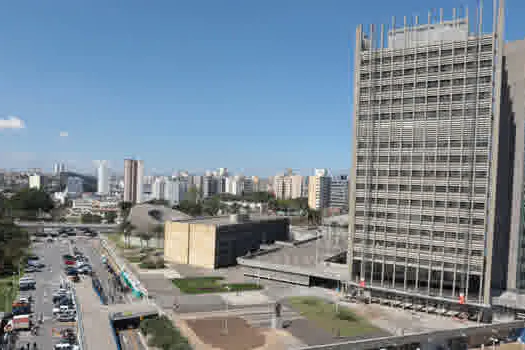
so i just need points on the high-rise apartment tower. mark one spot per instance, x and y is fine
(133, 180)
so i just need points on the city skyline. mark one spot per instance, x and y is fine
(69, 112)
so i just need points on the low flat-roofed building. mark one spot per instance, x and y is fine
(217, 241)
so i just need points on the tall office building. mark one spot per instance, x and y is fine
(429, 203)
(319, 190)
(133, 180)
(103, 178)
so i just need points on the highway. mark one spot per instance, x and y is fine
(47, 224)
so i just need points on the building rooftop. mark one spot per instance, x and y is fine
(228, 220)
(146, 216)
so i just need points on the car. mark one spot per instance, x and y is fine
(30, 269)
(66, 317)
(85, 269)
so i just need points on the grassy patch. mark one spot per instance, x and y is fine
(151, 265)
(344, 322)
(202, 285)
(162, 334)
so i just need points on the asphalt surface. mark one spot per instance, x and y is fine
(130, 338)
(47, 281)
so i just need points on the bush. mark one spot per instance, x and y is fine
(163, 334)
(346, 315)
(152, 264)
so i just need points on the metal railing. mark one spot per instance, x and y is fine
(80, 324)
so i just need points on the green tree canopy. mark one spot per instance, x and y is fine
(91, 219)
(14, 243)
(110, 217)
(31, 200)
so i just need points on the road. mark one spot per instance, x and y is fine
(48, 224)
(47, 281)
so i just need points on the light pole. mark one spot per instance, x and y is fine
(225, 329)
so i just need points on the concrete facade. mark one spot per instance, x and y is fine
(133, 180)
(513, 106)
(429, 182)
(217, 242)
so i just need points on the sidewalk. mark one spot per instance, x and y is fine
(95, 316)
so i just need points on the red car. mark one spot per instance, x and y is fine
(70, 262)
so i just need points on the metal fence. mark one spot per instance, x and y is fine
(80, 324)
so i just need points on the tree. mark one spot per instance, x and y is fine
(192, 196)
(91, 219)
(158, 231)
(314, 217)
(127, 228)
(125, 208)
(144, 237)
(110, 217)
(190, 208)
(210, 206)
(29, 202)
(14, 243)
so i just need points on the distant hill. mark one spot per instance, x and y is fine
(89, 181)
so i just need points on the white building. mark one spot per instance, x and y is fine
(74, 186)
(175, 190)
(103, 178)
(158, 188)
(36, 181)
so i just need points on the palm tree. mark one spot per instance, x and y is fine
(127, 228)
(158, 230)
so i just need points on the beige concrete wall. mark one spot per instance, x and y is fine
(176, 242)
(202, 245)
(187, 243)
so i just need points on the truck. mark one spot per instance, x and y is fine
(20, 322)
(21, 308)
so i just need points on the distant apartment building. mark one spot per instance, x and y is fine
(209, 185)
(158, 188)
(59, 168)
(339, 192)
(37, 181)
(74, 186)
(288, 186)
(133, 180)
(103, 178)
(175, 190)
(319, 190)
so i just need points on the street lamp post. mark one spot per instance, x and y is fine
(225, 329)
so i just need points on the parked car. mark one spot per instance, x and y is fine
(66, 317)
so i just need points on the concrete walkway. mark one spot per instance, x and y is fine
(95, 317)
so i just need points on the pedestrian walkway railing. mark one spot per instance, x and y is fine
(126, 273)
(80, 323)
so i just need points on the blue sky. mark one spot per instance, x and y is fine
(255, 86)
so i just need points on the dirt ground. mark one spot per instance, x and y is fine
(208, 334)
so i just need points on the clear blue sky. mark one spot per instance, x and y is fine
(249, 85)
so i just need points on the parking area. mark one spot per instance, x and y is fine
(43, 279)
